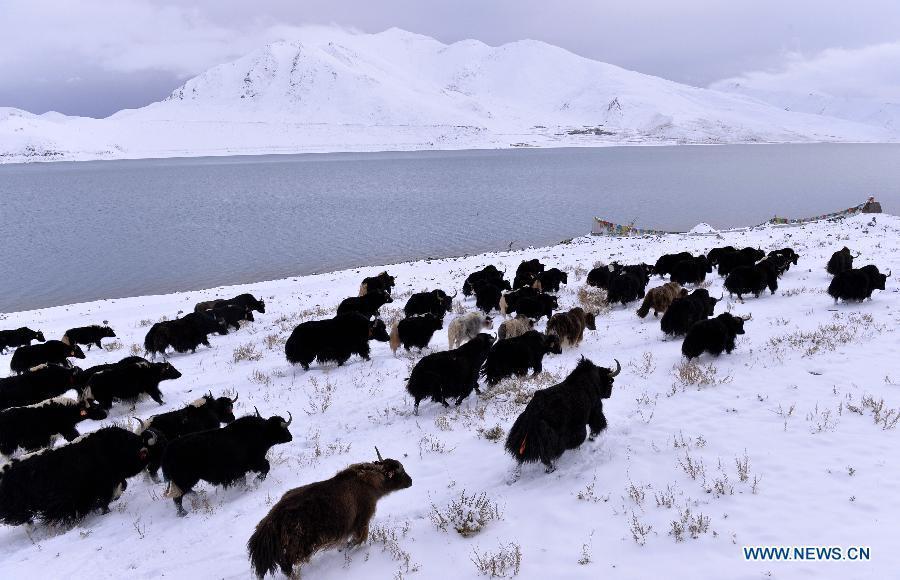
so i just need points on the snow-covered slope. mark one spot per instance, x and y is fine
(332, 90)
(789, 440)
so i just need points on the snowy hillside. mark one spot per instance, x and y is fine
(790, 440)
(332, 90)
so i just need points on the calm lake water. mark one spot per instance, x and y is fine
(71, 232)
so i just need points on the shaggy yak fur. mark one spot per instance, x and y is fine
(415, 331)
(222, 456)
(527, 273)
(18, 337)
(552, 278)
(383, 282)
(232, 315)
(691, 270)
(625, 287)
(569, 326)
(246, 301)
(713, 336)
(52, 351)
(535, 307)
(857, 285)
(334, 339)
(487, 297)
(367, 305)
(789, 253)
(466, 327)
(840, 261)
(556, 418)
(449, 374)
(183, 334)
(684, 312)
(716, 253)
(129, 382)
(666, 262)
(38, 384)
(514, 356)
(510, 300)
(751, 280)
(660, 298)
(36, 426)
(778, 263)
(205, 413)
(321, 515)
(489, 274)
(435, 302)
(82, 377)
(515, 327)
(63, 485)
(89, 335)
(748, 256)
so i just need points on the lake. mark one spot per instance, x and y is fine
(72, 232)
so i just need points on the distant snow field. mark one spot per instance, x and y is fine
(790, 440)
(333, 90)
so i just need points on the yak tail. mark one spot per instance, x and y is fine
(531, 439)
(65, 340)
(644, 310)
(264, 547)
(502, 304)
(395, 336)
(363, 288)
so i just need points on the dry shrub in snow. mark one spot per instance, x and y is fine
(691, 373)
(136, 350)
(689, 524)
(495, 433)
(113, 346)
(246, 352)
(504, 563)
(467, 514)
(885, 417)
(593, 300)
(389, 537)
(827, 337)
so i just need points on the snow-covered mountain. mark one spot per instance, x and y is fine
(333, 90)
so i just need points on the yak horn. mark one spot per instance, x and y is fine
(454, 294)
(378, 453)
(287, 423)
(257, 411)
(617, 371)
(152, 440)
(748, 317)
(236, 395)
(141, 423)
(857, 255)
(889, 274)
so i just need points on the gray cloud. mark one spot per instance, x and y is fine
(94, 56)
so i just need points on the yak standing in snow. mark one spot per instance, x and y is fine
(558, 417)
(435, 302)
(88, 335)
(552, 278)
(713, 336)
(487, 275)
(245, 301)
(129, 383)
(535, 307)
(626, 287)
(415, 331)
(684, 312)
(840, 261)
(50, 352)
(18, 337)
(487, 297)
(857, 285)
(570, 326)
(334, 339)
(466, 327)
(383, 282)
(449, 374)
(515, 356)
(367, 305)
(666, 263)
(751, 280)
(321, 515)
(515, 327)
(35, 426)
(660, 298)
(691, 270)
(38, 384)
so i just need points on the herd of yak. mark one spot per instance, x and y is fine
(64, 484)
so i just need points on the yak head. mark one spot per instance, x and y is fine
(75, 351)
(39, 336)
(277, 428)
(734, 323)
(222, 407)
(600, 378)
(445, 301)
(590, 321)
(386, 279)
(437, 322)
(488, 322)
(704, 262)
(552, 344)
(395, 477)
(378, 331)
(254, 304)
(381, 297)
(91, 409)
(107, 332)
(153, 442)
(167, 371)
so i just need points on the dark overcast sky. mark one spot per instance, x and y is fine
(93, 57)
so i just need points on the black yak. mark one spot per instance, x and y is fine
(535, 307)
(557, 418)
(489, 274)
(570, 326)
(466, 327)
(487, 297)
(383, 282)
(514, 327)
(449, 374)
(89, 335)
(510, 300)
(83, 376)
(18, 337)
(684, 312)
(52, 351)
(367, 305)
(205, 413)
(751, 280)
(551, 279)
(232, 315)
(660, 298)
(788, 253)
(840, 261)
(748, 256)
(63, 485)
(39, 383)
(691, 270)
(528, 273)
(716, 253)
(666, 262)
(222, 456)
(321, 515)
(514, 356)
(334, 339)
(129, 383)
(599, 276)
(856, 285)
(35, 426)
(713, 336)
(183, 334)
(247, 301)
(435, 302)
(625, 287)
(415, 331)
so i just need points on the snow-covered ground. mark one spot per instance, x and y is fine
(333, 90)
(659, 494)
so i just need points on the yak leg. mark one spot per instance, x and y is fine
(98, 345)
(155, 394)
(551, 466)
(179, 507)
(538, 367)
(70, 434)
(596, 422)
(262, 468)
